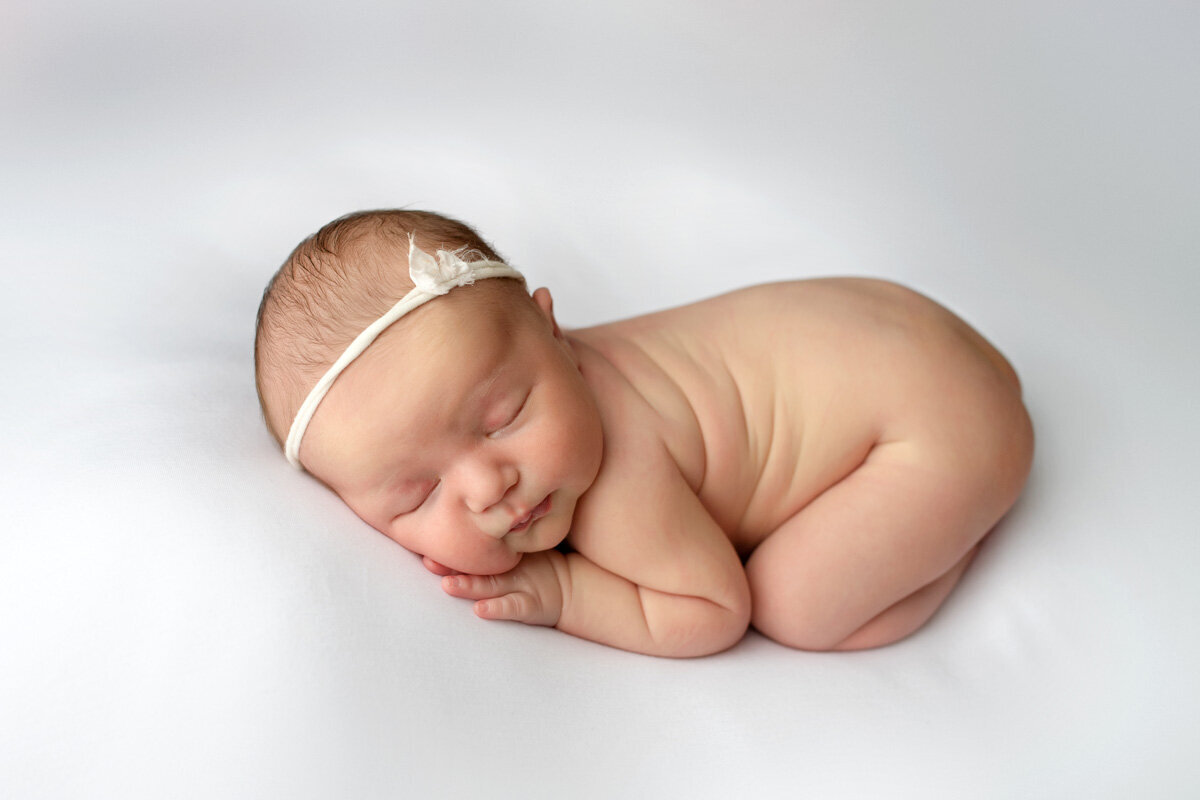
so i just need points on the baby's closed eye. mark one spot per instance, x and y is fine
(508, 415)
(411, 502)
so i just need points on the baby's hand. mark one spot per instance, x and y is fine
(529, 593)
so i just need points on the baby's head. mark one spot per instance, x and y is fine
(465, 430)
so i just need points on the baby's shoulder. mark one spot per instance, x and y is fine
(644, 411)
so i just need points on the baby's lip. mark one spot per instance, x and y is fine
(534, 514)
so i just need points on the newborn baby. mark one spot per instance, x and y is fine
(819, 459)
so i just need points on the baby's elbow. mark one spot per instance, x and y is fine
(729, 627)
(706, 628)
(718, 633)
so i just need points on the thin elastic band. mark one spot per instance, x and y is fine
(475, 270)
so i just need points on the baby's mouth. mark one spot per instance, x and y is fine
(538, 511)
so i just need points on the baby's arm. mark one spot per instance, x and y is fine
(655, 575)
(577, 596)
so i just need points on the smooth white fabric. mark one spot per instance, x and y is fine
(184, 615)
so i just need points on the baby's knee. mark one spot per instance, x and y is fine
(798, 627)
(900, 620)
(797, 634)
(823, 638)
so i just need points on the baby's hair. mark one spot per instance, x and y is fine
(335, 283)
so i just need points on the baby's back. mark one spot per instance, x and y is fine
(769, 395)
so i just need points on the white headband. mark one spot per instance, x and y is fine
(432, 277)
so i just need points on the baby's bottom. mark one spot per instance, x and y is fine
(872, 558)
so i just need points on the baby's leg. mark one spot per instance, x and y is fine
(906, 616)
(870, 559)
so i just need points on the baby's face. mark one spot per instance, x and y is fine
(466, 432)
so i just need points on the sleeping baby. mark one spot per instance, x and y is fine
(819, 458)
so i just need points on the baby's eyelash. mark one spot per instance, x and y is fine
(513, 418)
(422, 501)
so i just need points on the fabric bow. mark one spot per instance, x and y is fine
(437, 274)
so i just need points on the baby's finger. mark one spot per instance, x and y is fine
(518, 606)
(477, 587)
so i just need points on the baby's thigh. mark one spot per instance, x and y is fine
(898, 523)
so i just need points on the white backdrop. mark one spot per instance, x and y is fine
(183, 615)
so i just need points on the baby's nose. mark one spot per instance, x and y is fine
(486, 484)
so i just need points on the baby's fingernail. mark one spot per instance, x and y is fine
(450, 582)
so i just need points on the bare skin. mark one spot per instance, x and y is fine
(817, 458)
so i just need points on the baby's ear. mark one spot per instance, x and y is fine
(545, 304)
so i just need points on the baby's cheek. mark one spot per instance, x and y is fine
(591, 451)
(582, 442)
